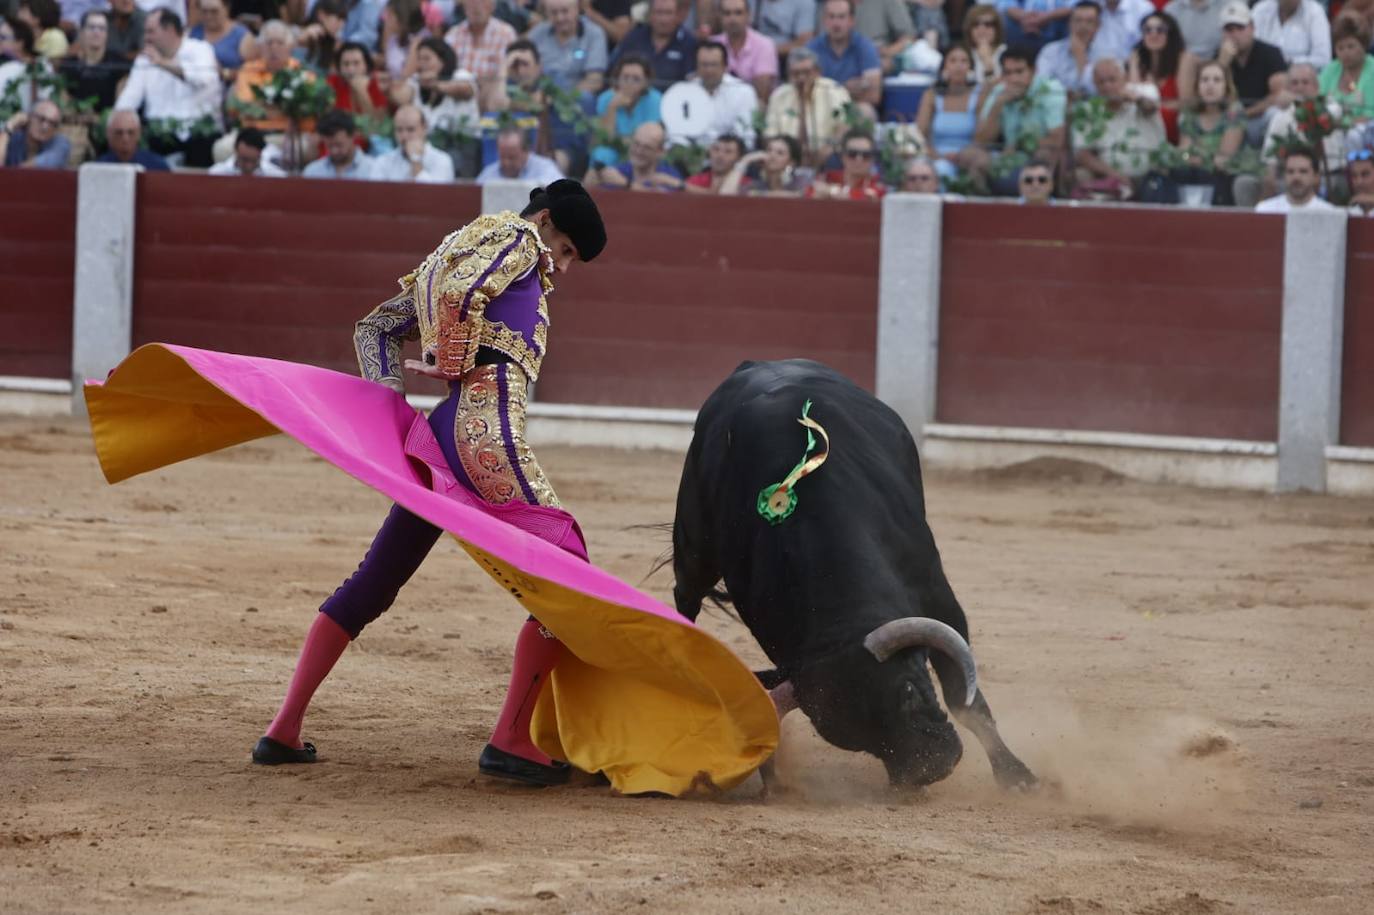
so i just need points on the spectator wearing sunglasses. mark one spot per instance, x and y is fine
(983, 35)
(1300, 180)
(1359, 170)
(33, 141)
(855, 179)
(1036, 184)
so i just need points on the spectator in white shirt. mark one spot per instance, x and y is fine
(1299, 28)
(414, 158)
(1299, 186)
(248, 160)
(733, 101)
(515, 161)
(176, 78)
(1070, 60)
(1119, 32)
(343, 158)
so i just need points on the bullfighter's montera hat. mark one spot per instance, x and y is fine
(574, 213)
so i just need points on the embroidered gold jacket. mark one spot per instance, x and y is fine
(485, 286)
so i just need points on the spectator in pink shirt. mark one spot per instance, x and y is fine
(752, 56)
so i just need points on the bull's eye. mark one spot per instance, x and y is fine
(909, 689)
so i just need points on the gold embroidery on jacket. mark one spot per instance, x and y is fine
(456, 282)
(484, 450)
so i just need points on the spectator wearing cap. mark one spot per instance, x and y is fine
(856, 178)
(176, 78)
(1257, 68)
(1298, 27)
(644, 168)
(1200, 22)
(572, 47)
(1070, 60)
(248, 160)
(749, 55)
(1349, 79)
(668, 46)
(1119, 155)
(788, 24)
(1300, 180)
(846, 56)
(721, 159)
(32, 140)
(732, 101)
(516, 162)
(414, 158)
(809, 108)
(125, 134)
(342, 158)
(1360, 172)
(1119, 32)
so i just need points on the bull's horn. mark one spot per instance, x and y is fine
(919, 632)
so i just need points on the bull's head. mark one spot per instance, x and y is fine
(879, 698)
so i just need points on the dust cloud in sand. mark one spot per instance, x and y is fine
(1187, 670)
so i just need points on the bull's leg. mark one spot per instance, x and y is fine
(1009, 771)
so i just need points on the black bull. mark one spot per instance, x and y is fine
(842, 593)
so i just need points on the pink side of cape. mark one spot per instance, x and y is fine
(371, 433)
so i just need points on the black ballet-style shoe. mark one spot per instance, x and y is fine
(271, 752)
(500, 764)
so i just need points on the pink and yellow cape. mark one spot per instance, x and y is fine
(646, 697)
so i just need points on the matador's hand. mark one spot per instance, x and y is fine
(424, 368)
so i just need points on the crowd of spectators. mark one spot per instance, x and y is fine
(1195, 101)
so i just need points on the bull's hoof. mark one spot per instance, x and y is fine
(1014, 775)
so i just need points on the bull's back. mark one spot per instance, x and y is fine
(859, 520)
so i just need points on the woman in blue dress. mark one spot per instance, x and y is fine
(948, 114)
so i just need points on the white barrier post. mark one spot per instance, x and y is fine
(504, 194)
(1314, 250)
(102, 304)
(909, 307)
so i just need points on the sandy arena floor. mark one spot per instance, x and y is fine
(1193, 667)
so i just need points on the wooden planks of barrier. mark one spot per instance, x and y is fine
(1357, 364)
(1144, 320)
(37, 260)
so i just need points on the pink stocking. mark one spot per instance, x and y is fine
(536, 655)
(324, 644)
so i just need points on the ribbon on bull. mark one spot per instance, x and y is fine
(776, 503)
(643, 695)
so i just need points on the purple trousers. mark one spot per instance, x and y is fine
(405, 539)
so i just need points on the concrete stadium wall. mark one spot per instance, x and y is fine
(1357, 381)
(1142, 321)
(37, 254)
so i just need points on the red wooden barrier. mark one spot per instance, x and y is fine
(689, 287)
(1357, 381)
(37, 261)
(1148, 321)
